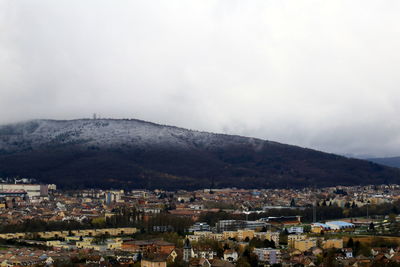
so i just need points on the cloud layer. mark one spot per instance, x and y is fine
(320, 74)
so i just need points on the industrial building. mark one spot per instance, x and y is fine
(32, 190)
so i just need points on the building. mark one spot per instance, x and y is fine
(113, 196)
(156, 262)
(255, 225)
(306, 244)
(230, 255)
(320, 228)
(234, 225)
(341, 226)
(148, 246)
(295, 230)
(187, 251)
(204, 253)
(283, 220)
(245, 235)
(199, 227)
(270, 255)
(230, 225)
(293, 238)
(269, 235)
(333, 243)
(32, 190)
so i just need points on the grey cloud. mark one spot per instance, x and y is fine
(320, 74)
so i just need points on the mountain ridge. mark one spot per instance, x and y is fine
(139, 154)
(387, 161)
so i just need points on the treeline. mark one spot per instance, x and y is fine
(38, 225)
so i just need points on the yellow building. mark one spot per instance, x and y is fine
(115, 245)
(83, 244)
(243, 234)
(53, 243)
(67, 234)
(293, 238)
(218, 237)
(333, 243)
(229, 234)
(72, 238)
(304, 245)
(269, 235)
(153, 263)
(204, 234)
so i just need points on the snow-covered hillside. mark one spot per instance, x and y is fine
(110, 133)
(111, 153)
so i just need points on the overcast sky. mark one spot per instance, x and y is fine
(319, 74)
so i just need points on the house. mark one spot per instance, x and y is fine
(204, 252)
(151, 246)
(230, 255)
(316, 251)
(49, 261)
(154, 262)
(348, 253)
(376, 251)
(199, 263)
(209, 263)
(220, 263)
(171, 256)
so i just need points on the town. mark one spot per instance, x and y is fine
(343, 226)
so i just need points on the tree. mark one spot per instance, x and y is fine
(350, 243)
(283, 237)
(329, 258)
(256, 242)
(372, 226)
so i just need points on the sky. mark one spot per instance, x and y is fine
(318, 74)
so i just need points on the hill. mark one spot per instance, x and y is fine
(111, 153)
(391, 161)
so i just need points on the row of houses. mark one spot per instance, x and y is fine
(303, 242)
(64, 234)
(240, 235)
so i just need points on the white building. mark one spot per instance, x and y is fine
(199, 227)
(339, 225)
(230, 255)
(32, 190)
(295, 230)
(270, 255)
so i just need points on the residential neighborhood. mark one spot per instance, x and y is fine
(213, 227)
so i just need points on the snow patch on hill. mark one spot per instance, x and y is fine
(111, 133)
